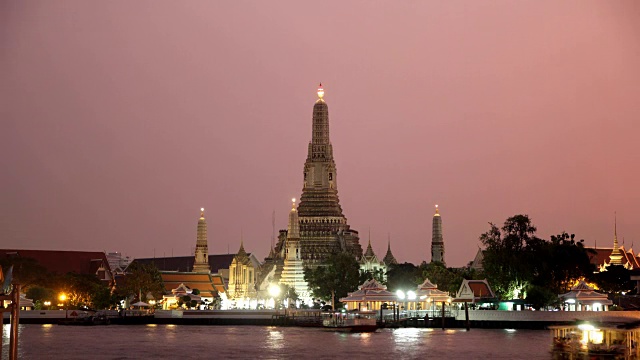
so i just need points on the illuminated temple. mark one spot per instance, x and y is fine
(323, 227)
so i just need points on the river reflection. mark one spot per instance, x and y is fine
(242, 342)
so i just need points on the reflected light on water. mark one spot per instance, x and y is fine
(274, 340)
(365, 338)
(152, 325)
(405, 335)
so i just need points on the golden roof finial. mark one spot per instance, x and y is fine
(293, 203)
(320, 91)
(202, 213)
(437, 212)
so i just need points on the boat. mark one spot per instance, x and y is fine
(613, 339)
(85, 318)
(353, 321)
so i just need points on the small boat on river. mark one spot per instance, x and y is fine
(596, 340)
(354, 321)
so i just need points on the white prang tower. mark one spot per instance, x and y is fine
(437, 243)
(293, 271)
(201, 262)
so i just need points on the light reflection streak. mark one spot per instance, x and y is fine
(275, 339)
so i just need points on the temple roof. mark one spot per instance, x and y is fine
(474, 291)
(369, 252)
(185, 263)
(389, 259)
(208, 284)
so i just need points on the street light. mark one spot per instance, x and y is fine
(47, 304)
(274, 291)
(63, 298)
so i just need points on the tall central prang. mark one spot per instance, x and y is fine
(323, 227)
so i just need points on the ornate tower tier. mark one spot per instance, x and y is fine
(437, 243)
(293, 270)
(201, 262)
(323, 227)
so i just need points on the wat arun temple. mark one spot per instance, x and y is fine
(316, 229)
(321, 229)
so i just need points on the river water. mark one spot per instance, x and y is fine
(266, 342)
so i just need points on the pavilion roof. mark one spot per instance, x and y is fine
(429, 290)
(584, 293)
(370, 290)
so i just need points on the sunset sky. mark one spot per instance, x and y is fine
(120, 119)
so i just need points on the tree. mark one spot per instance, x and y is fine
(289, 293)
(376, 274)
(26, 271)
(403, 277)
(85, 290)
(615, 279)
(447, 279)
(515, 258)
(40, 293)
(339, 275)
(561, 262)
(508, 258)
(142, 279)
(540, 297)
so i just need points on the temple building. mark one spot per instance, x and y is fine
(243, 271)
(323, 227)
(369, 262)
(292, 270)
(201, 263)
(437, 243)
(603, 257)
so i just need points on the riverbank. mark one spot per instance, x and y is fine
(486, 319)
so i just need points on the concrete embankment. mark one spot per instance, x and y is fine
(477, 319)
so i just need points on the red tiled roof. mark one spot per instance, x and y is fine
(204, 282)
(480, 289)
(62, 262)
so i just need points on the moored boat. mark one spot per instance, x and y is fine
(596, 340)
(355, 321)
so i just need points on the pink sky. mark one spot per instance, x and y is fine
(121, 119)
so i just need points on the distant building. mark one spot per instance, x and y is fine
(603, 257)
(369, 262)
(118, 262)
(63, 262)
(437, 242)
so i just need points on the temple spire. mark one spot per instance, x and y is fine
(616, 257)
(369, 253)
(201, 261)
(437, 242)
